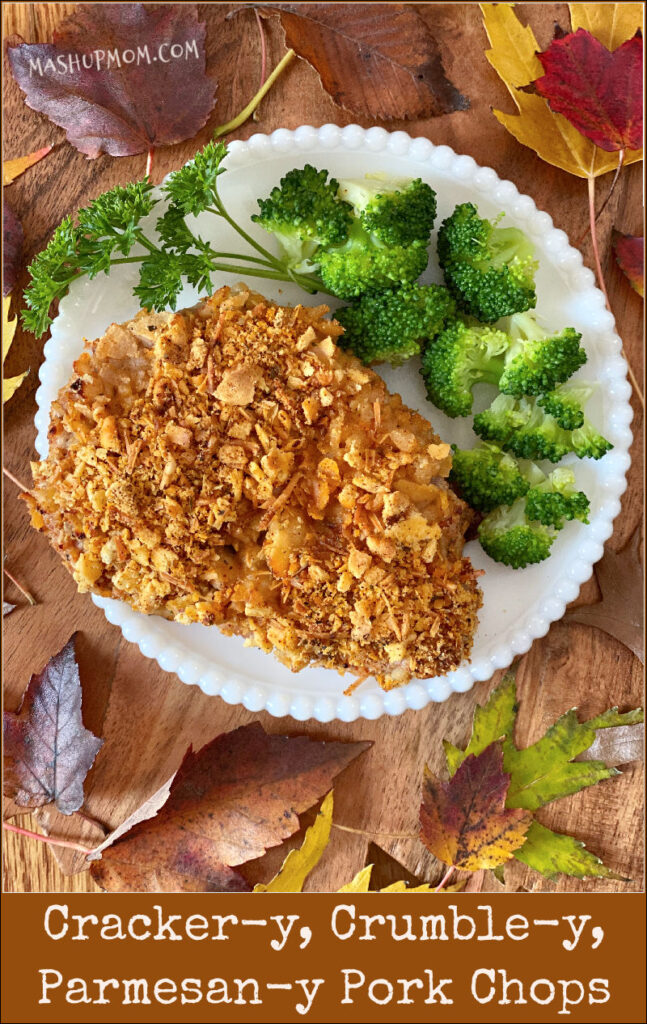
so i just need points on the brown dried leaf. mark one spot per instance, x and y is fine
(47, 750)
(145, 811)
(375, 59)
(619, 613)
(618, 745)
(464, 822)
(228, 803)
(131, 105)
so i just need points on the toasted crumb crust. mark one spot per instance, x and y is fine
(229, 465)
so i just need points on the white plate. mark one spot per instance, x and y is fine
(518, 606)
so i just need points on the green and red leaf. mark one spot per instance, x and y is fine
(464, 822)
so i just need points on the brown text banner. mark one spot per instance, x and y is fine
(437, 957)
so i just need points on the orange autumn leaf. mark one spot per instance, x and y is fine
(11, 169)
(464, 822)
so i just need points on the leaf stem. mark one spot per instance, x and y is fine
(594, 242)
(52, 840)
(15, 480)
(377, 835)
(32, 600)
(621, 160)
(445, 879)
(261, 32)
(236, 122)
(149, 162)
(603, 287)
(599, 213)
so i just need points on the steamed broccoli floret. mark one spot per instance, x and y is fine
(490, 270)
(462, 355)
(305, 211)
(521, 426)
(396, 212)
(565, 403)
(510, 537)
(536, 360)
(486, 477)
(389, 326)
(555, 500)
(364, 265)
(521, 360)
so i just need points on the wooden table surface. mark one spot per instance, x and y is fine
(147, 717)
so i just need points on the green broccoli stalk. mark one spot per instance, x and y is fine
(510, 537)
(536, 360)
(394, 211)
(462, 355)
(555, 500)
(389, 326)
(521, 426)
(489, 270)
(566, 403)
(485, 477)
(304, 212)
(365, 264)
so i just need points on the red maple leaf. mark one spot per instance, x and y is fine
(598, 91)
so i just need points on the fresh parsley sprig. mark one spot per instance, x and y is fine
(109, 232)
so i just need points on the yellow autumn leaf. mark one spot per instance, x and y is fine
(12, 168)
(360, 882)
(555, 140)
(299, 863)
(11, 384)
(612, 24)
(403, 887)
(550, 135)
(514, 47)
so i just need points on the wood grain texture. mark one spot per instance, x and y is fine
(148, 718)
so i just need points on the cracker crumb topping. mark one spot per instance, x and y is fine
(229, 465)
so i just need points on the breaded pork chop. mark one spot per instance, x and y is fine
(229, 465)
